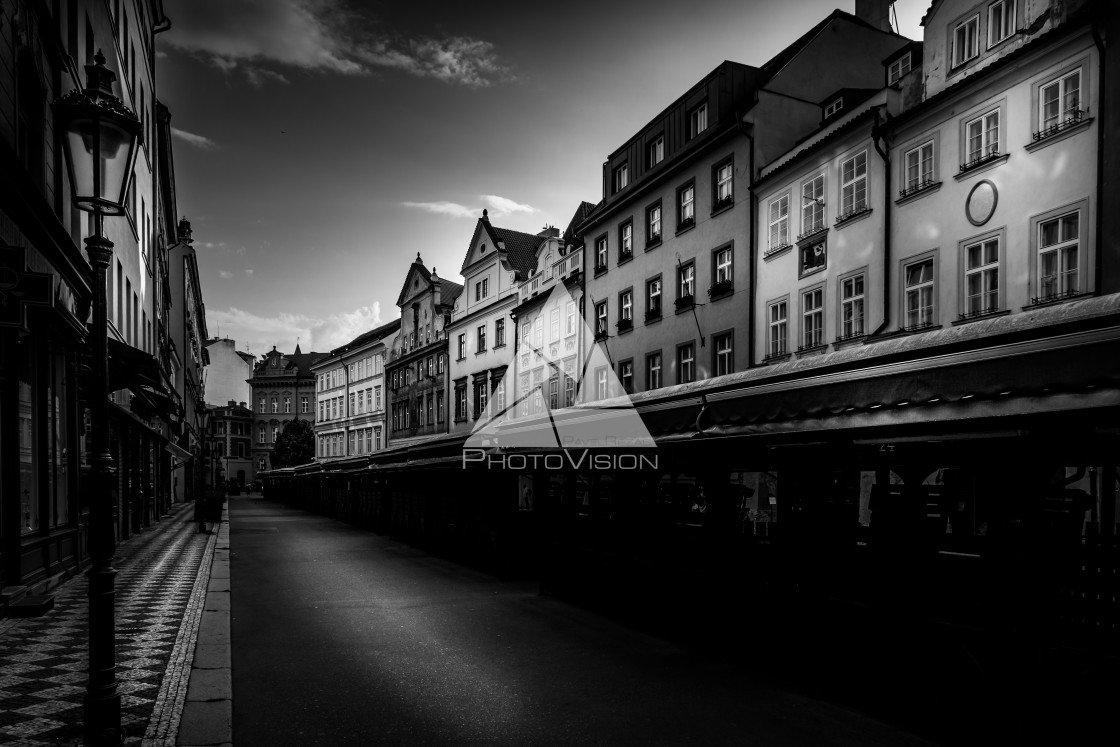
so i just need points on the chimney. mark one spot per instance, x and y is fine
(875, 12)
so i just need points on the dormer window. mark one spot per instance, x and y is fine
(1001, 21)
(621, 177)
(834, 107)
(698, 120)
(897, 69)
(656, 152)
(482, 249)
(966, 40)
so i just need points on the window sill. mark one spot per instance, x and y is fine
(599, 271)
(653, 318)
(685, 306)
(480, 352)
(722, 207)
(968, 318)
(776, 251)
(906, 331)
(654, 243)
(812, 349)
(624, 258)
(623, 328)
(776, 358)
(918, 193)
(811, 271)
(499, 345)
(682, 227)
(1070, 131)
(811, 235)
(842, 342)
(715, 294)
(1037, 303)
(852, 217)
(986, 165)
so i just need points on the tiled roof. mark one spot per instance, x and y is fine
(374, 334)
(303, 362)
(449, 291)
(521, 249)
(580, 216)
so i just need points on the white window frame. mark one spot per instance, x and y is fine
(919, 166)
(723, 355)
(1065, 113)
(656, 152)
(686, 363)
(1008, 18)
(626, 305)
(919, 299)
(971, 39)
(626, 374)
(853, 305)
(725, 184)
(653, 223)
(653, 295)
(698, 120)
(653, 371)
(554, 325)
(777, 328)
(813, 214)
(601, 252)
(853, 183)
(621, 177)
(897, 69)
(987, 135)
(987, 298)
(686, 280)
(570, 311)
(723, 264)
(780, 222)
(601, 316)
(812, 317)
(1061, 285)
(687, 203)
(600, 382)
(626, 239)
(481, 338)
(834, 107)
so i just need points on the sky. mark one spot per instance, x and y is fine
(320, 145)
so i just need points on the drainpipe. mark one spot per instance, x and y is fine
(1102, 114)
(876, 134)
(747, 131)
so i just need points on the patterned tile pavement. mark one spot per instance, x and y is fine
(43, 660)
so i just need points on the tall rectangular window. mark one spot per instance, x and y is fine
(919, 293)
(553, 325)
(724, 185)
(722, 264)
(853, 194)
(653, 225)
(462, 345)
(966, 40)
(626, 376)
(626, 306)
(600, 318)
(779, 222)
(600, 382)
(981, 277)
(898, 68)
(653, 298)
(686, 281)
(601, 253)
(656, 152)
(778, 321)
(287, 404)
(851, 306)
(499, 332)
(919, 166)
(1059, 102)
(698, 120)
(626, 240)
(982, 138)
(686, 363)
(724, 354)
(570, 314)
(481, 338)
(812, 205)
(621, 177)
(1001, 21)
(686, 202)
(812, 318)
(653, 371)
(1058, 256)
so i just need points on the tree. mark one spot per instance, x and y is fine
(295, 444)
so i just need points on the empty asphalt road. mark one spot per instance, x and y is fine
(344, 637)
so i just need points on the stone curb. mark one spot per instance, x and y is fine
(207, 719)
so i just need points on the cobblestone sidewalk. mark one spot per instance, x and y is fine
(43, 660)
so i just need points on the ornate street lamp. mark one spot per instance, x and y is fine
(100, 136)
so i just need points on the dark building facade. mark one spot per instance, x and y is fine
(283, 388)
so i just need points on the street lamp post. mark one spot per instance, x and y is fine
(100, 136)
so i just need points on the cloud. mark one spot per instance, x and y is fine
(321, 335)
(498, 206)
(199, 141)
(225, 274)
(324, 36)
(503, 205)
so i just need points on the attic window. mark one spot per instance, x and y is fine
(834, 107)
(897, 69)
(482, 249)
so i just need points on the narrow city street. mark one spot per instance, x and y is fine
(342, 636)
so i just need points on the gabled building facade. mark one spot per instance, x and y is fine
(417, 371)
(350, 396)
(481, 333)
(283, 389)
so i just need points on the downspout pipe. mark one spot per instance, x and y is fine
(1102, 124)
(748, 132)
(877, 134)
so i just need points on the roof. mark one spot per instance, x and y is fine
(418, 266)
(449, 291)
(520, 248)
(783, 58)
(830, 134)
(580, 216)
(374, 334)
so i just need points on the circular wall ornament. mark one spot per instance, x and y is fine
(981, 202)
